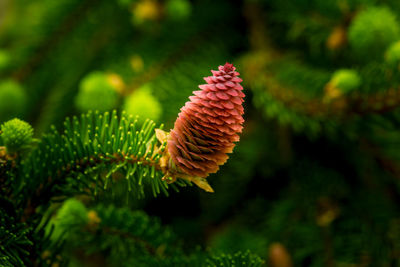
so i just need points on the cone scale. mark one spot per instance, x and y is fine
(207, 126)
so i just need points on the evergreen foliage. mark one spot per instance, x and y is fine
(238, 259)
(89, 93)
(128, 238)
(14, 246)
(98, 149)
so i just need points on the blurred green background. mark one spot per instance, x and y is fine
(314, 180)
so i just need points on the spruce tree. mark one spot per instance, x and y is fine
(114, 151)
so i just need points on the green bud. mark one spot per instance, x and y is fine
(96, 93)
(72, 212)
(141, 102)
(346, 80)
(392, 55)
(16, 135)
(372, 31)
(71, 216)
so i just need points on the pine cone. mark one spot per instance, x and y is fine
(208, 124)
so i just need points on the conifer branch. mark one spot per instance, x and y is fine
(341, 108)
(96, 150)
(87, 157)
(297, 105)
(125, 233)
(133, 236)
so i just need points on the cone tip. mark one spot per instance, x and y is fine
(228, 67)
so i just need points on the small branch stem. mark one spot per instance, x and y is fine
(43, 193)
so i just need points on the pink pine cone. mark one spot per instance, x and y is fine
(208, 125)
